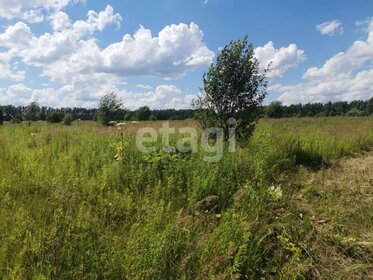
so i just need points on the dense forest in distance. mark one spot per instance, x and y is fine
(273, 110)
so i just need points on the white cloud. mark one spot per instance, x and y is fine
(144, 86)
(363, 25)
(177, 49)
(16, 36)
(17, 94)
(163, 97)
(330, 28)
(7, 72)
(346, 76)
(81, 72)
(72, 50)
(281, 59)
(82, 94)
(31, 10)
(60, 21)
(102, 19)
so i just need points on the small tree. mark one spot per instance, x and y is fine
(233, 88)
(109, 107)
(127, 116)
(32, 112)
(54, 117)
(68, 119)
(143, 113)
(275, 110)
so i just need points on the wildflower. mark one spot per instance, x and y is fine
(120, 125)
(275, 192)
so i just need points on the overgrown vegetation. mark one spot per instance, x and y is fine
(82, 202)
(68, 119)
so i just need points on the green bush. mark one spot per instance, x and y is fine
(355, 113)
(54, 117)
(68, 119)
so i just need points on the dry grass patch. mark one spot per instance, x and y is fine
(339, 201)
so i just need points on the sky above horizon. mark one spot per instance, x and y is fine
(69, 53)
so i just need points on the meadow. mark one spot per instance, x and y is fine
(81, 202)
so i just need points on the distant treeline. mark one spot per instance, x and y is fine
(273, 110)
(18, 113)
(340, 108)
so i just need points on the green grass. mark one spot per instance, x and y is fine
(69, 209)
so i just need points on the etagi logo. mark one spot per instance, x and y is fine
(211, 141)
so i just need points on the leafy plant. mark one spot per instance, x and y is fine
(68, 119)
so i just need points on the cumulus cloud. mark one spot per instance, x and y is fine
(16, 36)
(71, 49)
(144, 86)
(70, 57)
(330, 28)
(162, 97)
(17, 94)
(346, 76)
(175, 50)
(7, 72)
(60, 21)
(281, 59)
(102, 19)
(31, 10)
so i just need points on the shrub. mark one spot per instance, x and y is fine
(354, 113)
(54, 117)
(68, 119)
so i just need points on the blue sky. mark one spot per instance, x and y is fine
(71, 52)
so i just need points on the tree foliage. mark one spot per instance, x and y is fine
(54, 117)
(275, 110)
(32, 112)
(233, 88)
(143, 113)
(109, 108)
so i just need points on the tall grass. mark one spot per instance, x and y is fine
(70, 209)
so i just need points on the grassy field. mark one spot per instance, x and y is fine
(82, 202)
